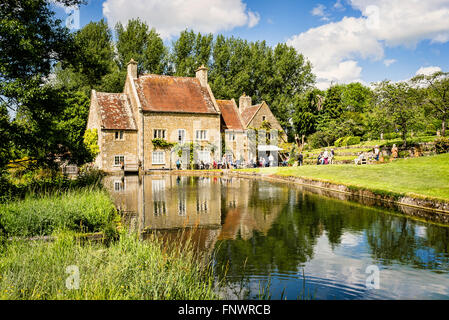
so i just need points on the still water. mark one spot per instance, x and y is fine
(283, 241)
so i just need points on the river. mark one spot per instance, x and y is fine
(282, 241)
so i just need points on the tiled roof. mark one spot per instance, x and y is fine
(115, 111)
(173, 94)
(230, 115)
(249, 112)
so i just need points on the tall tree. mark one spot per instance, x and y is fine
(437, 95)
(137, 41)
(190, 51)
(31, 42)
(401, 103)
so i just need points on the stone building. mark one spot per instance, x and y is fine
(178, 110)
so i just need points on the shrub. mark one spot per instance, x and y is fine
(442, 145)
(338, 142)
(391, 136)
(347, 141)
(350, 141)
(317, 140)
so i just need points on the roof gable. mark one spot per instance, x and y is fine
(249, 113)
(115, 112)
(173, 94)
(230, 115)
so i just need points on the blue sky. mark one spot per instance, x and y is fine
(346, 40)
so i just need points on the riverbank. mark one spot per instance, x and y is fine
(126, 269)
(417, 182)
(45, 233)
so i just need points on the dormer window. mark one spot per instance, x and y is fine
(119, 135)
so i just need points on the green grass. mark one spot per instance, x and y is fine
(425, 177)
(86, 210)
(127, 269)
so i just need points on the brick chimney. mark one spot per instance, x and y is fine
(201, 74)
(132, 68)
(244, 102)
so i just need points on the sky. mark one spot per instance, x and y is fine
(346, 40)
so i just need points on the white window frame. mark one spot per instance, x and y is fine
(159, 133)
(182, 141)
(155, 160)
(119, 160)
(201, 135)
(119, 135)
(231, 136)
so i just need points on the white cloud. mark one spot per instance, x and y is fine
(389, 62)
(335, 48)
(171, 17)
(320, 11)
(428, 70)
(339, 6)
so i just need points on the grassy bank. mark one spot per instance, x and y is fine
(85, 210)
(425, 177)
(127, 269)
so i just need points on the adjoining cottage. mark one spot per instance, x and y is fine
(176, 110)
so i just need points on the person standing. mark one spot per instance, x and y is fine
(300, 159)
(376, 153)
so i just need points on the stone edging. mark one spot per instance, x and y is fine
(427, 204)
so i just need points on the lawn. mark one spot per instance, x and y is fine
(425, 177)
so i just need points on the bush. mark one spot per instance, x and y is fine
(391, 136)
(338, 142)
(347, 141)
(442, 145)
(317, 140)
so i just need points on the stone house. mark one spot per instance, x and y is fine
(178, 110)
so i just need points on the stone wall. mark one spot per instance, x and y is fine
(110, 148)
(265, 111)
(171, 122)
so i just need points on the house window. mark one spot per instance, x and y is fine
(159, 133)
(264, 118)
(119, 186)
(201, 135)
(119, 135)
(231, 136)
(158, 157)
(118, 160)
(181, 136)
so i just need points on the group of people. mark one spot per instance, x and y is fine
(230, 163)
(326, 157)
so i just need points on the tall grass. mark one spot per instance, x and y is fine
(127, 269)
(85, 210)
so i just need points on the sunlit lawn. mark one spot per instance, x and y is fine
(425, 176)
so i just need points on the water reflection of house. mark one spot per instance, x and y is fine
(244, 216)
(195, 205)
